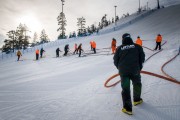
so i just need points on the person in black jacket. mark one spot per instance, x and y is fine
(66, 49)
(80, 49)
(41, 52)
(129, 59)
(57, 52)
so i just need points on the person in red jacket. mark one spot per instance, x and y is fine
(75, 49)
(158, 42)
(113, 45)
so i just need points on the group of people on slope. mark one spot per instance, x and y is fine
(128, 59)
(77, 49)
(19, 54)
(139, 42)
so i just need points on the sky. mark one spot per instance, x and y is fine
(42, 14)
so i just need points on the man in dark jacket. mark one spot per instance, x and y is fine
(41, 52)
(129, 59)
(66, 49)
(80, 49)
(57, 52)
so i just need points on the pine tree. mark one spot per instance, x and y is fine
(117, 17)
(22, 37)
(43, 37)
(70, 35)
(81, 26)
(62, 23)
(89, 30)
(74, 34)
(17, 39)
(104, 21)
(35, 38)
(11, 42)
(93, 28)
(7, 46)
(100, 26)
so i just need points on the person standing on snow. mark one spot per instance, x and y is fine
(19, 54)
(66, 49)
(113, 45)
(94, 46)
(57, 52)
(41, 52)
(158, 42)
(75, 49)
(129, 59)
(80, 49)
(37, 54)
(139, 41)
(91, 42)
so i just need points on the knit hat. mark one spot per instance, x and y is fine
(126, 39)
(126, 35)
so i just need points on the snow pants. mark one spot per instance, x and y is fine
(94, 49)
(57, 54)
(37, 56)
(113, 49)
(158, 44)
(65, 52)
(80, 53)
(18, 57)
(126, 92)
(75, 51)
(41, 54)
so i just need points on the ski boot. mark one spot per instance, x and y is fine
(137, 102)
(127, 112)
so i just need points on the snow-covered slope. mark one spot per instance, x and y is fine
(71, 88)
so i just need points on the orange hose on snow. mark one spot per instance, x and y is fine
(166, 64)
(144, 72)
(168, 78)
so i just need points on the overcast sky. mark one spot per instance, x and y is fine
(42, 14)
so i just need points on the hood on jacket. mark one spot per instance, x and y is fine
(126, 39)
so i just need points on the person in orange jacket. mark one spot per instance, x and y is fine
(19, 54)
(94, 46)
(139, 41)
(158, 41)
(113, 45)
(37, 54)
(91, 42)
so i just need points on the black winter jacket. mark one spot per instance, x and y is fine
(129, 58)
(66, 48)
